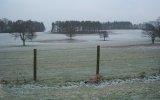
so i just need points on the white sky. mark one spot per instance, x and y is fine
(47, 11)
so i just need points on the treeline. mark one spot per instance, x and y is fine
(7, 26)
(75, 26)
(25, 30)
(89, 26)
(117, 25)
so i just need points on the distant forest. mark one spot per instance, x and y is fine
(7, 26)
(90, 26)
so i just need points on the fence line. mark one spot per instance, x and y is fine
(42, 57)
(13, 64)
(36, 55)
(68, 49)
(73, 61)
(11, 58)
(70, 61)
(15, 51)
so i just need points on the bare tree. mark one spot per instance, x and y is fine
(31, 36)
(70, 32)
(18, 30)
(26, 30)
(152, 31)
(104, 35)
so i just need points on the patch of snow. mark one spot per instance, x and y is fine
(22, 90)
(105, 83)
(116, 37)
(151, 79)
(2, 92)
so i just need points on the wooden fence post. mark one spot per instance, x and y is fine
(98, 60)
(35, 64)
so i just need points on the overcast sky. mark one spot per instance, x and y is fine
(47, 11)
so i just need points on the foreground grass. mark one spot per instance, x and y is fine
(57, 66)
(127, 91)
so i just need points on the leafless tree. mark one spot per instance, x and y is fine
(104, 35)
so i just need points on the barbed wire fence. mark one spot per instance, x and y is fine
(71, 64)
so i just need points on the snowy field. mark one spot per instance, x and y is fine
(129, 66)
(116, 37)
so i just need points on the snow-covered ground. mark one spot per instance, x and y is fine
(119, 89)
(116, 37)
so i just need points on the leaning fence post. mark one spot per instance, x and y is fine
(98, 60)
(35, 64)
